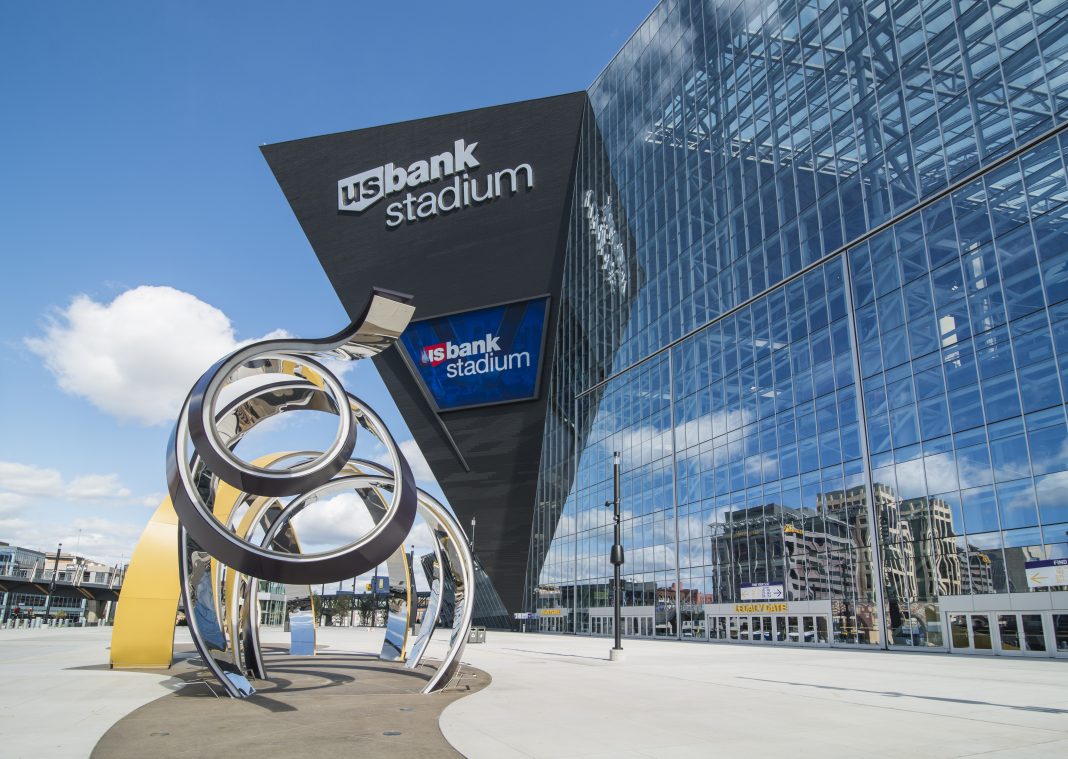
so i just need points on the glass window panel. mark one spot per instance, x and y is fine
(958, 626)
(1049, 448)
(930, 382)
(1008, 632)
(941, 473)
(1017, 503)
(1034, 633)
(966, 408)
(1052, 492)
(934, 417)
(1001, 398)
(1009, 457)
(973, 465)
(1041, 385)
(980, 509)
(904, 425)
(981, 632)
(1060, 632)
(947, 283)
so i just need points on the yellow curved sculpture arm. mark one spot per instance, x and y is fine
(143, 636)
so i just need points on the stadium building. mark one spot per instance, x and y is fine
(804, 265)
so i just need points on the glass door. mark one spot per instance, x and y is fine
(1021, 634)
(1060, 634)
(793, 635)
(970, 633)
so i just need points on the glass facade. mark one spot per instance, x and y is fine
(816, 294)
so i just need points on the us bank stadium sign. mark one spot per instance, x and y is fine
(482, 357)
(359, 192)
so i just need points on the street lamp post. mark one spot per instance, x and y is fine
(413, 607)
(374, 597)
(472, 536)
(52, 585)
(616, 653)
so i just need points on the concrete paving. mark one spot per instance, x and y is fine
(559, 696)
(58, 695)
(332, 704)
(59, 698)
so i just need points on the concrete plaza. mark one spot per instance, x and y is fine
(557, 696)
(554, 696)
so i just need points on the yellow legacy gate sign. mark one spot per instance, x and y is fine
(760, 608)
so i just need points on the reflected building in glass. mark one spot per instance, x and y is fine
(816, 294)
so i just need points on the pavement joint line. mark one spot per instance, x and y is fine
(936, 715)
(1002, 750)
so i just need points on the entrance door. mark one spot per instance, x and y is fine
(1059, 628)
(1021, 634)
(971, 633)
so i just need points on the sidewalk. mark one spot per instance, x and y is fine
(58, 695)
(558, 696)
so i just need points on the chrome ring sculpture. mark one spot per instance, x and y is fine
(223, 502)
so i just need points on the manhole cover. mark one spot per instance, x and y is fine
(392, 732)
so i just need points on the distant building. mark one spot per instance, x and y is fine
(84, 589)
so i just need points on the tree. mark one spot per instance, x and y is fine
(365, 606)
(340, 608)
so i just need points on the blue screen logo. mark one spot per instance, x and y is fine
(482, 357)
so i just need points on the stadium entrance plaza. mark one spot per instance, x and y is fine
(559, 696)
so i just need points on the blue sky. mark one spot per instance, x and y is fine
(141, 231)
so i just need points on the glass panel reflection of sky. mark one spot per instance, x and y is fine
(737, 145)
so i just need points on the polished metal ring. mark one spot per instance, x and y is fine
(219, 457)
(327, 566)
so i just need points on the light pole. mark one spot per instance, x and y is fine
(413, 607)
(352, 609)
(52, 585)
(374, 597)
(472, 536)
(616, 654)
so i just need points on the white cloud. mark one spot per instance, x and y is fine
(332, 522)
(22, 480)
(137, 356)
(342, 519)
(11, 503)
(102, 540)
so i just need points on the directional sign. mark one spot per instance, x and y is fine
(1048, 573)
(762, 591)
